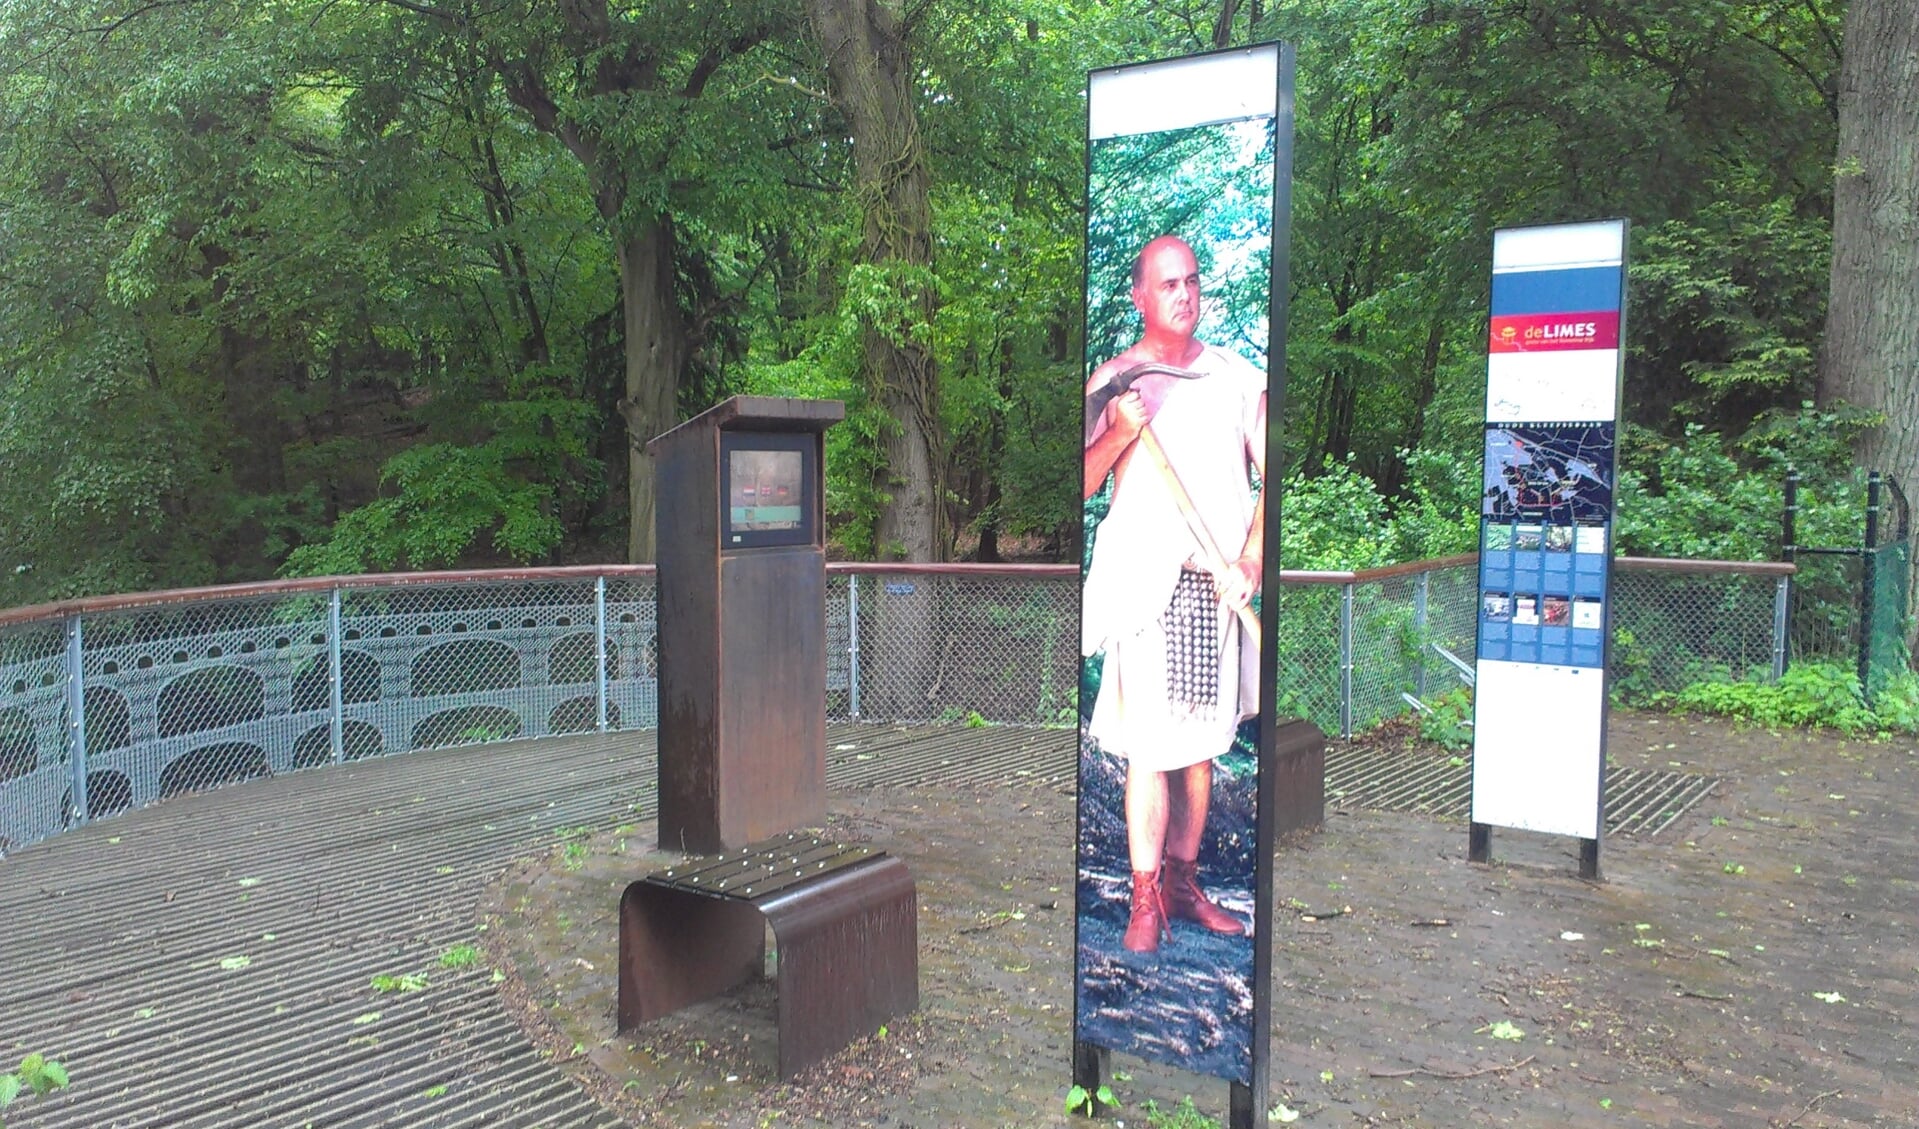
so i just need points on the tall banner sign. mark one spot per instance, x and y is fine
(1188, 186)
(1553, 373)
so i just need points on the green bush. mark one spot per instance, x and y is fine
(1450, 724)
(1819, 695)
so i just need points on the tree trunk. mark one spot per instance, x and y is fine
(872, 80)
(655, 357)
(1870, 357)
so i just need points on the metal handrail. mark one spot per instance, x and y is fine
(342, 667)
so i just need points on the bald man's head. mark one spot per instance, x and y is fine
(1166, 287)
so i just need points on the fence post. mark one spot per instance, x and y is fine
(77, 718)
(599, 653)
(1789, 552)
(1422, 584)
(1781, 597)
(853, 645)
(1346, 659)
(335, 679)
(1868, 580)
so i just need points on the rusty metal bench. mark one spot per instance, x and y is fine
(845, 928)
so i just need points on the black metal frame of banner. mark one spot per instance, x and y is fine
(1091, 1063)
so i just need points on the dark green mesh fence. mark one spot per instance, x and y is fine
(1884, 654)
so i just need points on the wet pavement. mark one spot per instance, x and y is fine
(1754, 964)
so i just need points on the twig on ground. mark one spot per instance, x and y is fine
(1450, 1075)
(993, 921)
(1797, 1117)
(1689, 993)
(1323, 914)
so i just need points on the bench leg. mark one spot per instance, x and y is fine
(848, 958)
(678, 948)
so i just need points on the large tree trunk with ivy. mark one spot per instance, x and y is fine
(871, 72)
(1871, 352)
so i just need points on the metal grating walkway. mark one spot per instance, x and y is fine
(208, 961)
(1638, 802)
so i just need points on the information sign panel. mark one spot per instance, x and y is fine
(1189, 165)
(1546, 520)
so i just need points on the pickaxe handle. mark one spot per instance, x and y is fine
(1149, 443)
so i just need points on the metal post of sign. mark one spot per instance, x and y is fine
(1346, 659)
(77, 717)
(1092, 1065)
(853, 646)
(599, 653)
(336, 697)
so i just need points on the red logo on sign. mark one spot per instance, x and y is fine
(1539, 333)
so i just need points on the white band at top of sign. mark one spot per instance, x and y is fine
(1225, 86)
(1601, 243)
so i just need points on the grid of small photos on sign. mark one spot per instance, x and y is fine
(1551, 407)
(1543, 543)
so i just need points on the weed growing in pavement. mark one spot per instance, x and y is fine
(36, 1074)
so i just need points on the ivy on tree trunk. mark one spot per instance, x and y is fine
(870, 68)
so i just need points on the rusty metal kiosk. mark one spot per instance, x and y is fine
(742, 750)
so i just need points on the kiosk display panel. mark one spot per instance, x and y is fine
(769, 486)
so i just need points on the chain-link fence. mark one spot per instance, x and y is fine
(998, 645)
(1850, 602)
(111, 704)
(1676, 623)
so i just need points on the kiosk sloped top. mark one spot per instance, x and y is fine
(757, 413)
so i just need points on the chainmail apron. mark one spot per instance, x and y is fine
(1191, 624)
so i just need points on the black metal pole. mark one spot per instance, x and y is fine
(1789, 519)
(1092, 1065)
(1869, 576)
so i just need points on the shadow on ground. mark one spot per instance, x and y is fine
(1757, 964)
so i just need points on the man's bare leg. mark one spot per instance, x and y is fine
(1191, 795)
(1148, 796)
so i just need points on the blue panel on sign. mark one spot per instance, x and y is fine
(1589, 584)
(899, 588)
(1584, 290)
(1585, 656)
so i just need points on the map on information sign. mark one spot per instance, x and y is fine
(1559, 473)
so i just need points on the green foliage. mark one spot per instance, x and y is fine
(1702, 496)
(37, 1075)
(1450, 724)
(460, 956)
(1338, 519)
(1182, 1116)
(1821, 695)
(309, 288)
(447, 496)
(1082, 1101)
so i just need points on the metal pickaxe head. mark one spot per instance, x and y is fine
(1098, 398)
